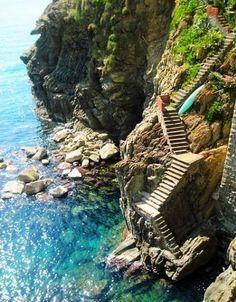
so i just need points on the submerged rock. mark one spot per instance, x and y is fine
(108, 151)
(124, 256)
(58, 192)
(13, 187)
(29, 175)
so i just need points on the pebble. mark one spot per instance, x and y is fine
(45, 162)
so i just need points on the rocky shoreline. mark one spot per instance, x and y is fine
(80, 157)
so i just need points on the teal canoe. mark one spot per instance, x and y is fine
(190, 100)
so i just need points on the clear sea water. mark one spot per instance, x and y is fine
(55, 251)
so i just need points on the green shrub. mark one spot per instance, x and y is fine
(214, 112)
(184, 8)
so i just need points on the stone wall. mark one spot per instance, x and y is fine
(228, 184)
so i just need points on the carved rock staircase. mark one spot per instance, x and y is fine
(209, 64)
(175, 131)
(150, 204)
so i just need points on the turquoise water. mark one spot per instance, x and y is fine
(55, 250)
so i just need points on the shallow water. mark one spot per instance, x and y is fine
(55, 250)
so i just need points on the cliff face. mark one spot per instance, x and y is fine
(96, 62)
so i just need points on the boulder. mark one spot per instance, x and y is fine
(108, 151)
(29, 175)
(30, 151)
(58, 192)
(75, 174)
(61, 135)
(196, 253)
(74, 156)
(36, 186)
(94, 157)
(13, 187)
(124, 256)
(223, 289)
(40, 154)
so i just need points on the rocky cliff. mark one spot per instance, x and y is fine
(103, 63)
(95, 61)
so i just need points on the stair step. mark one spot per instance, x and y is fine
(178, 145)
(156, 196)
(171, 115)
(169, 237)
(179, 126)
(165, 233)
(173, 132)
(145, 210)
(178, 140)
(164, 190)
(161, 193)
(176, 99)
(180, 173)
(169, 183)
(179, 152)
(174, 175)
(171, 179)
(173, 121)
(168, 114)
(156, 202)
(176, 148)
(179, 168)
(153, 204)
(180, 163)
(166, 186)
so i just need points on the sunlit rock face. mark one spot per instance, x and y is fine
(97, 62)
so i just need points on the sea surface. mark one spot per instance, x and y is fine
(55, 250)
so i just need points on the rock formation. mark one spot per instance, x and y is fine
(105, 65)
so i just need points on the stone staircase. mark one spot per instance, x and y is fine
(222, 24)
(209, 64)
(175, 131)
(150, 205)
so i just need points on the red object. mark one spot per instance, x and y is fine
(212, 11)
(162, 101)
